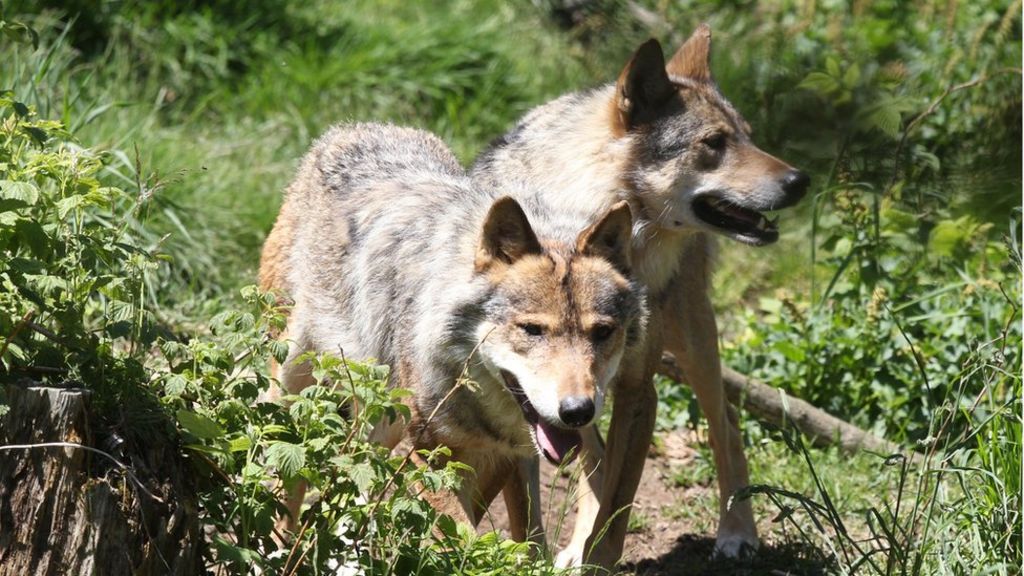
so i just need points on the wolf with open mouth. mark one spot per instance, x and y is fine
(390, 252)
(664, 139)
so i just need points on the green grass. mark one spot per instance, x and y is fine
(219, 130)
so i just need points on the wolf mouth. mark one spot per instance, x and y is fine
(559, 445)
(744, 224)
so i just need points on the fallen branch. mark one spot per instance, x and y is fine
(772, 406)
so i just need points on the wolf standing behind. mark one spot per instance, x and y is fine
(390, 253)
(664, 139)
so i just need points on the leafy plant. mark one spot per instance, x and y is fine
(77, 261)
(72, 306)
(953, 509)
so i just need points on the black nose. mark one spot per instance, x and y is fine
(576, 411)
(795, 184)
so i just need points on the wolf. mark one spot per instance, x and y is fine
(388, 251)
(665, 140)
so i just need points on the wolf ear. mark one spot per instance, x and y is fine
(693, 59)
(643, 86)
(610, 238)
(506, 237)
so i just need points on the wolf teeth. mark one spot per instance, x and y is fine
(766, 223)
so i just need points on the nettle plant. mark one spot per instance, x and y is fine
(910, 277)
(77, 306)
(906, 305)
(71, 269)
(365, 514)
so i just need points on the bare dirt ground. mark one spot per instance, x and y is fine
(672, 527)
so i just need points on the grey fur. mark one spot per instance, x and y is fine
(378, 245)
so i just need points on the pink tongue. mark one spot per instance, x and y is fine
(557, 443)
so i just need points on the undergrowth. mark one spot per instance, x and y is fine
(71, 311)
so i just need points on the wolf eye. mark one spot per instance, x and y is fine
(716, 141)
(532, 329)
(602, 332)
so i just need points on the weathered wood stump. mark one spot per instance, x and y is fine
(69, 510)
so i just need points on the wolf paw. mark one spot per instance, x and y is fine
(735, 545)
(571, 557)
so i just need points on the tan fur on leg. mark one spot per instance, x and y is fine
(522, 500)
(293, 378)
(587, 498)
(634, 408)
(692, 337)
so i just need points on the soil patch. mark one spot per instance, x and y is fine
(672, 526)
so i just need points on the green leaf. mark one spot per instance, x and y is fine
(226, 551)
(832, 66)
(198, 425)
(279, 350)
(240, 444)
(21, 33)
(821, 83)
(843, 247)
(927, 158)
(790, 351)
(31, 233)
(175, 385)
(851, 76)
(363, 476)
(47, 283)
(14, 195)
(68, 204)
(408, 506)
(288, 458)
(447, 526)
(885, 119)
(948, 235)
(272, 429)
(318, 444)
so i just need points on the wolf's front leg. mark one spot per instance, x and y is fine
(692, 337)
(634, 408)
(522, 500)
(461, 505)
(587, 497)
(293, 377)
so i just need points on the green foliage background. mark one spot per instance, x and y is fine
(145, 145)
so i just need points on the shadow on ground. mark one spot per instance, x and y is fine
(691, 555)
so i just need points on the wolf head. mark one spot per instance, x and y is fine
(558, 319)
(694, 164)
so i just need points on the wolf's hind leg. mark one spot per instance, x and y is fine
(692, 337)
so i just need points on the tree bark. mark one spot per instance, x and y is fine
(772, 406)
(70, 511)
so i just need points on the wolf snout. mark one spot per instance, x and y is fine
(794, 184)
(576, 411)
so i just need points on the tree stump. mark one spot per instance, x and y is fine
(71, 511)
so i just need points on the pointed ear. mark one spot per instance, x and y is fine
(693, 59)
(610, 238)
(643, 85)
(506, 236)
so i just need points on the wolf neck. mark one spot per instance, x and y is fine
(590, 161)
